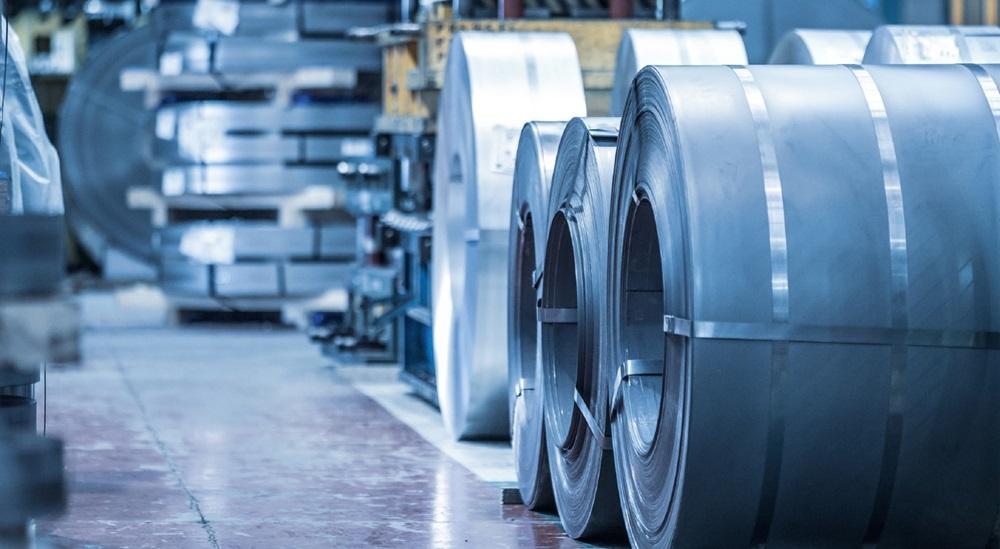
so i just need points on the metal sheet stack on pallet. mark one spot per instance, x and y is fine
(261, 119)
(38, 321)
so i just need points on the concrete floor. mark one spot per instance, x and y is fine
(223, 437)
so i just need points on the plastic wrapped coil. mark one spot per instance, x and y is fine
(641, 47)
(916, 45)
(820, 47)
(30, 162)
(536, 158)
(805, 327)
(494, 84)
(572, 333)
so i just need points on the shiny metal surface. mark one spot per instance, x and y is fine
(914, 45)
(229, 242)
(218, 132)
(536, 159)
(494, 84)
(269, 278)
(641, 47)
(572, 342)
(104, 134)
(820, 47)
(238, 179)
(806, 345)
(234, 55)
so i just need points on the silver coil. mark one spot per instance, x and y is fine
(804, 328)
(820, 47)
(572, 339)
(494, 84)
(536, 158)
(919, 45)
(641, 47)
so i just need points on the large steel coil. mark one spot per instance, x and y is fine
(805, 327)
(642, 47)
(494, 84)
(917, 45)
(536, 159)
(104, 136)
(821, 47)
(573, 318)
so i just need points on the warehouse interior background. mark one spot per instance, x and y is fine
(500, 273)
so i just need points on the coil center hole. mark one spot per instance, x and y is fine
(642, 320)
(560, 342)
(527, 318)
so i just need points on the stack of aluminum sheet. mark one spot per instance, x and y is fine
(260, 127)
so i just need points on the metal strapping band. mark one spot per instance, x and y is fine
(990, 90)
(633, 368)
(521, 387)
(900, 284)
(603, 440)
(548, 315)
(774, 198)
(793, 333)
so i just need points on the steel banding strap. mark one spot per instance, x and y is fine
(779, 301)
(799, 333)
(522, 386)
(633, 368)
(603, 440)
(992, 94)
(900, 285)
(554, 315)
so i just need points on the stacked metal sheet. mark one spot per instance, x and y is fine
(260, 127)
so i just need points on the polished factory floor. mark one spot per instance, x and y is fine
(247, 437)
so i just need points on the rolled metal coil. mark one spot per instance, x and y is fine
(918, 45)
(104, 136)
(529, 224)
(494, 84)
(641, 47)
(821, 47)
(572, 316)
(805, 328)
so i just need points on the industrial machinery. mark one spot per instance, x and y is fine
(38, 321)
(391, 315)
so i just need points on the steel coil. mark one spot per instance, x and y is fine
(536, 158)
(820, 47)
(641, 47)
(572, 333)
(805, 327)
(494, 84)
(104, 137)
(917, 45)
